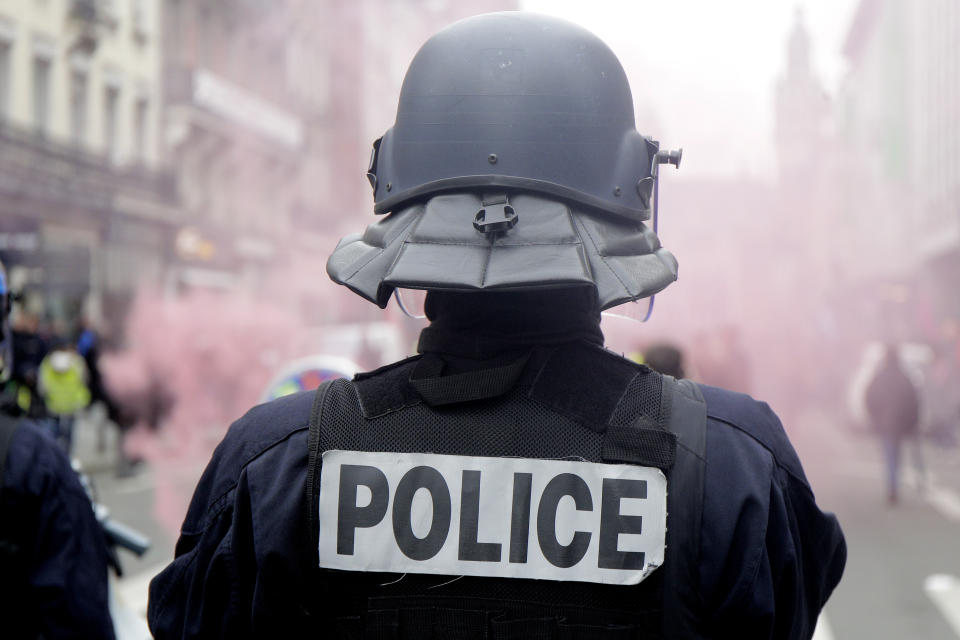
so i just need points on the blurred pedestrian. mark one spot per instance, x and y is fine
(62, 383)
(88, 346)
(53, 556)
(893, 407)
(665, 358)
(29, 349)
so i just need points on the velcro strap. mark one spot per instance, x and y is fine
(464, 387)
(584, 383)
(642, 442)
(639, 429)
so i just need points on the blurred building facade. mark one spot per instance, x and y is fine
(806, 154)
(937, 153)
(233, 135)
(858, 239)
(897, 121)
(189, 144)
(85, 211)
(270, 112)
(801, 113)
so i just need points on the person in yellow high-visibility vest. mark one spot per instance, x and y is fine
(62, 383)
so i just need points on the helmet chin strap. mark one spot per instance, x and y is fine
(653, 299)
(410, 313)
(656, 220)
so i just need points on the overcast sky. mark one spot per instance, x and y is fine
(703, 71)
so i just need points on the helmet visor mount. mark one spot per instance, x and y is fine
(641, 310)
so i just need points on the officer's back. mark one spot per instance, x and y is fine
(515, 479)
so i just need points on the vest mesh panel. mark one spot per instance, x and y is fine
(513, 425)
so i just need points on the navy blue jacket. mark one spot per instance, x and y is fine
(769, 558)
(59, 588)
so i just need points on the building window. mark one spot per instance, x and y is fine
(41, 94)
(139, 19)
(107, 10)
(140, 111)
(78, 107)
(4, 79)
(111, 98)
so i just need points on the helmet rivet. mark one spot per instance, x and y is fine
(492, 158)
(616, 191)
(389, 186)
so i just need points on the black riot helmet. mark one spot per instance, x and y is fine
(514, 163)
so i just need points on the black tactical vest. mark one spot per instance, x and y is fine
(575, 401)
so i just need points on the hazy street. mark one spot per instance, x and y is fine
(892, 551)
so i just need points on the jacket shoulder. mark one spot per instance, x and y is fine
(266, 424)
(260, 429)
(35, 462)
(756, 420)
(385, 390)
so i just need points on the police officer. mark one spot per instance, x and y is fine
(53, 581)
(514, 479)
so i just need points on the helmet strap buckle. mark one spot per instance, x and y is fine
(496, 215)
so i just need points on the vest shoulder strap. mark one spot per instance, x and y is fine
(638, 431)
(661, 421)
(313, 462)
(464, 387)
(688, 420)
(687, 414)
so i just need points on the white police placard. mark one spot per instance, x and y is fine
(498, 517)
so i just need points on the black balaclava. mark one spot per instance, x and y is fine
(488, 324)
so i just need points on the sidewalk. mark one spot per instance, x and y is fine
(823, 443)
(943, 463)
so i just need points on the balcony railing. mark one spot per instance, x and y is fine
(22, 148)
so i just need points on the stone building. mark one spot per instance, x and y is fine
(85, 210)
